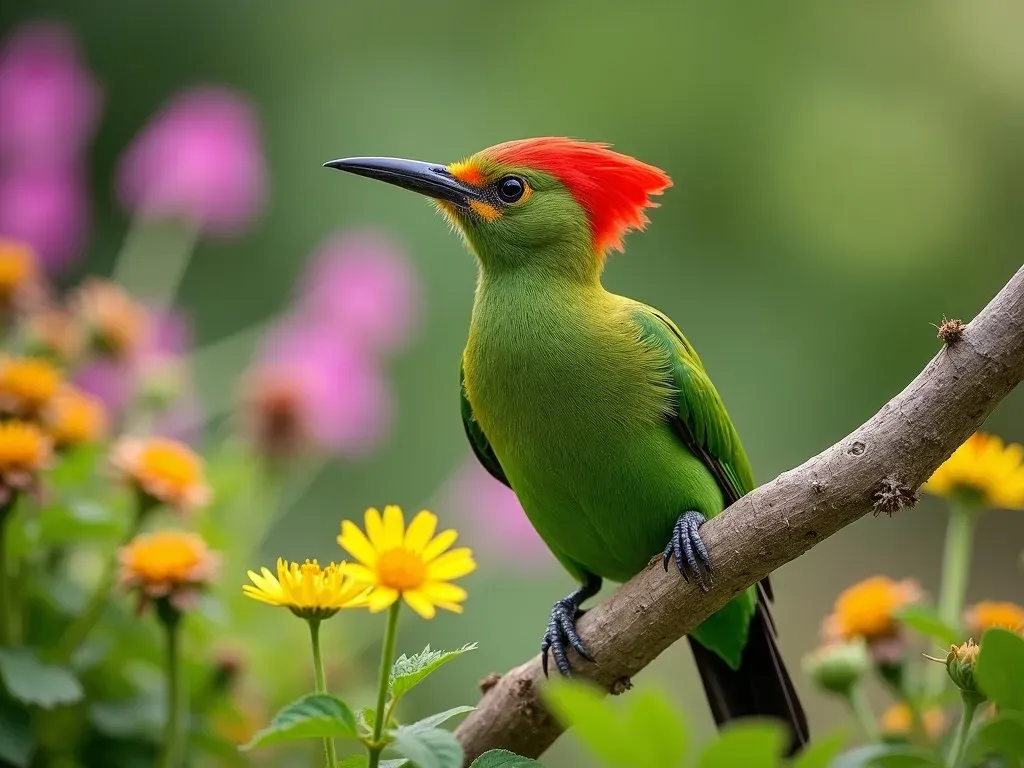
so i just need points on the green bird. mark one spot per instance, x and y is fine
(593, 407)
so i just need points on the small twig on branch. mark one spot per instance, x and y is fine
(875, 468)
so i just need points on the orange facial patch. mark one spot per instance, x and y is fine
(484, 210)
(467, 172)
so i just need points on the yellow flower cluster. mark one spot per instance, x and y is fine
(393, 561)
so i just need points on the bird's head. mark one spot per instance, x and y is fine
(552, 202)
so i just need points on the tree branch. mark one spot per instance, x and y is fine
(875, 468)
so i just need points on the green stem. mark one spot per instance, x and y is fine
(956, 568)
(176, 704)
(321, 683)
(6, 606)
(970, 706)
(387, 658)
(87, 620)
(862, 713)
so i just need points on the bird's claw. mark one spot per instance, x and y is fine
(688, 548)
(561, 631)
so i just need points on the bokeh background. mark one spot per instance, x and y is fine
(845, 175)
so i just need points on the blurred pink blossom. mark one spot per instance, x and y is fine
(199, 158)
(310, 387)
(362, 285)
(46, 207)
(49, 101)
(495, 520)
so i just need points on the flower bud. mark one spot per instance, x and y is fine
(838, 667)
(960, 663)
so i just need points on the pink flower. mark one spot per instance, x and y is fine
(362, 285)
(200, 158)
(46, 208)
(310, 388)
(496, 519)
(49, 101)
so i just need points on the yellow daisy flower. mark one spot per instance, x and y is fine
(411, 563)
(165, 471)
(898, 721)
(75, 418)
(868, 609)
(27, 385)
(172, 564)
(24, 452)
(307, 590)
(989, 615)
(985, 469)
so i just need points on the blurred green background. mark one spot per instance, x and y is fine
(845, 174)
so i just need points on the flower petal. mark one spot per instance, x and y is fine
(361, 573)
(421, 529)
(381, 598)
(355, 541)
(375, 529)
(394, 527)
(443, 592)
(451, 565)
(440, 543)
(419, 603)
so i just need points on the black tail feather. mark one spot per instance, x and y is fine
(760, 687)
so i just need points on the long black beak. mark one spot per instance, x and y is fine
(428, 179)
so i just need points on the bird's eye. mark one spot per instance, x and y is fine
(510, 189)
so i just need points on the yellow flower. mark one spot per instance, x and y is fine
(164, 470)
(868, 609)
(307, 590)
(116, 324)
(983, 468)
(19, 272)
(898, 721)
(989, 615)
(26, 385)
(75, 418)
(172, 564)
(24, 452)
(412, 563)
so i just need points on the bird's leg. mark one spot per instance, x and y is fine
(562, 627)
(688, 549)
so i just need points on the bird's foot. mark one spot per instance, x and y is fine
(689, 551)
(561, 631)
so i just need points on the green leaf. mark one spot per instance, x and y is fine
(366, 717)
(1000, 668)
(1002, 735)
(16, 738)
(820, 753)
(432, 721)
(925, 620)
(750, 743)
(658, 733)
(594, 722)
(428, 747)
(500, 758)
(410, 671)
(886, 756)
(315, 716)
(31, 681)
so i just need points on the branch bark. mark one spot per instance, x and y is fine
(876, 467)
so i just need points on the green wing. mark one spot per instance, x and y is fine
(477, 438)
(700, 418)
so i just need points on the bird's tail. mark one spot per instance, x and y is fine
(760, 687)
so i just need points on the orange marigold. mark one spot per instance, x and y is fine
(898, 721)
(75, 418)
(167, 564)
(868, 609)
(164, 471)
(24, 452)
(26, 385)
(990, 615)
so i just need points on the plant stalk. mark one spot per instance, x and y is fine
(321, 683)
(176, 695)
(971, 701)
(956, 568)
(387, 658)
(862, 713)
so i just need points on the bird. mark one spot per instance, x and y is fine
(592, 407)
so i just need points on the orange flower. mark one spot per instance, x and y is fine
(75, 418)
(165, 471)
(19, 273)
(868, 609)
(167, 564)
(26, 385)
(116, 324)
(989, 615)
(24, 452)
(898, 721)
(983, 469)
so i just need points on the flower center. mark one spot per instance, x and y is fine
(172, 463)
(401, 569)
(169, 556)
